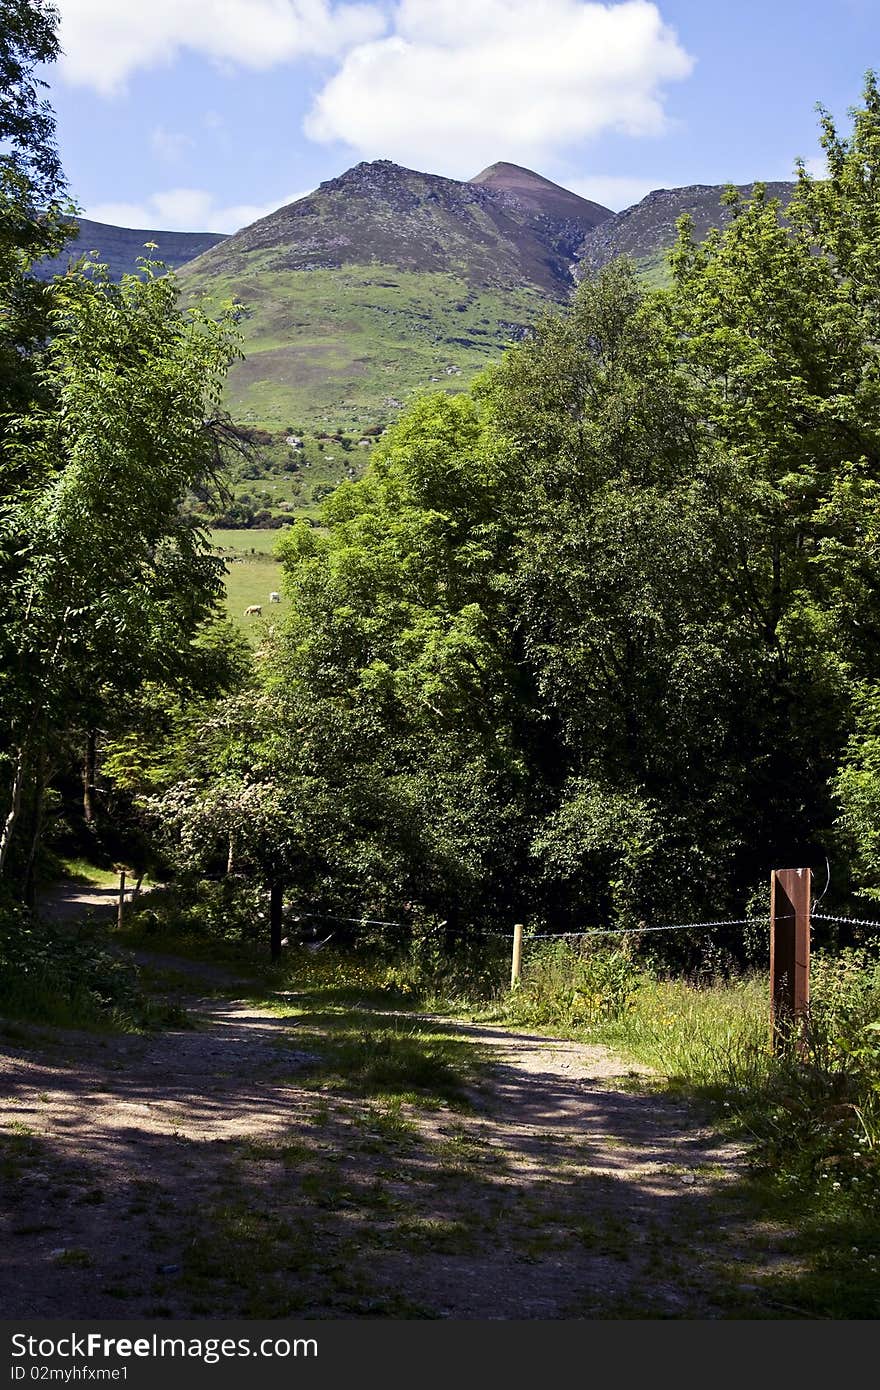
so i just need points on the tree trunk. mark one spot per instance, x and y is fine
(30, 876)
(276, 904)
(15, 804)
(230, 857)
(89, 766)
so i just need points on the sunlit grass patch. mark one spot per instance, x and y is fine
(400, 1059)
(711, 1036)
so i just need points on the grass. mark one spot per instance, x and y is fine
(338, 347)
(389, 1060)
(252, 573)
(79, 870)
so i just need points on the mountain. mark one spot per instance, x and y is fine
(382, 213)
(385, 281)
(534, 191)
(119, 248)
(647, 231)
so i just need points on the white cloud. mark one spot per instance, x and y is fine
(615, 191)
(185, 210)
(105, 41)
(169, 145)
(459, 86)
(816, 166)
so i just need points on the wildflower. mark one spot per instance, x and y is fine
(835, 1187)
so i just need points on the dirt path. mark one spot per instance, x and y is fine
(215, 1171)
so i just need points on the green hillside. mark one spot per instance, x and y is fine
(384, 283)
(348, 346)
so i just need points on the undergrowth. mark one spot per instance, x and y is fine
(70, 977)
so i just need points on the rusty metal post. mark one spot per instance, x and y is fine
(516, 962)
(789, 952)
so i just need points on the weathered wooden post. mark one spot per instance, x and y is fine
(276, 917)
(789, 952)
(516, 962)
(121, 903)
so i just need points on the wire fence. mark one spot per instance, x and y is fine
(843, 921)
(643, 929)
(555, 935)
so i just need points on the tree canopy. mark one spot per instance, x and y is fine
(109, 414)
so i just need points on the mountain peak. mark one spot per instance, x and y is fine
(540, 194)
(503, 171)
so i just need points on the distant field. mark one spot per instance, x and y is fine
(256, 543)
(252, 573)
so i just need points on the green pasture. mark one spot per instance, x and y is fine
(252, 572)
(350, 346)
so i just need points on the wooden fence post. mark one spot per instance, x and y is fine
(789, 952)
(121, 903)
(516, 963)
(276, 917)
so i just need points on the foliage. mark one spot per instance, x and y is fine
(105, 582)
(581, 646)
(71, 979)
(573, 988)
(109, 416)
(31, 181)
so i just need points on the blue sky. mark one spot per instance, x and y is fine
(205, 114)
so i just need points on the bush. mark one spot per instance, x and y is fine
(813, 1110)
(573, 986)
(233, 910)
(70, 977)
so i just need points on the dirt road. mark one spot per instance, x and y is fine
(213, 1171)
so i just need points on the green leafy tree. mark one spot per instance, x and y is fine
(584, 642)
(32, 199)
(105, 580)
(778, 326)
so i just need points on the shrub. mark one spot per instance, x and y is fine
(574, 985)
(65, 976)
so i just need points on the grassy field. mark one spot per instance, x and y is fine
(350, 346)
(252, 573)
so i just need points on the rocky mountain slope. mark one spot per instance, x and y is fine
(487, 230)
(120, 247)
(385, 281)
(647, 231)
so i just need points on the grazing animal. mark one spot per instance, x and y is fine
(274, 597)
(253, 610)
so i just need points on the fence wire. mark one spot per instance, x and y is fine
(666, 926)
(843, 921)
(763, 921)
(562, 935)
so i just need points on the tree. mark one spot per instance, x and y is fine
(778, 325)
(31, 181)
(105, 580)
(583, 642)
